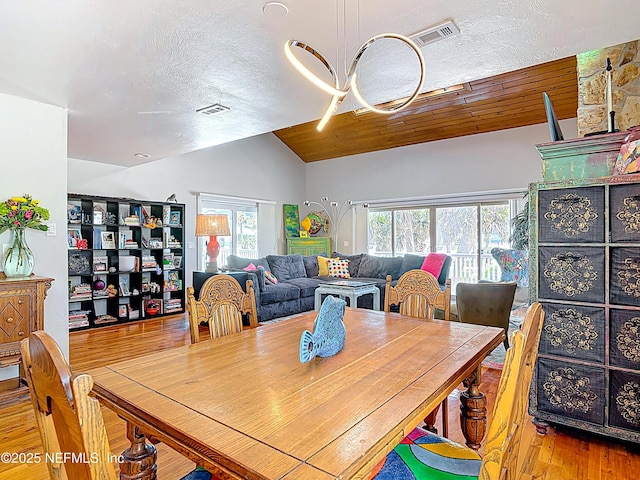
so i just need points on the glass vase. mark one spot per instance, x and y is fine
(18, 259)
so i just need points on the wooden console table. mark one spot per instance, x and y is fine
(21, 312)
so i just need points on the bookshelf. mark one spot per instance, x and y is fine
(125, 259)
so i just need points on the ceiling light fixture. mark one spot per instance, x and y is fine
(351, 83)
(141, 155)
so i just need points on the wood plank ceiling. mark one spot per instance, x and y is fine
(505, 101)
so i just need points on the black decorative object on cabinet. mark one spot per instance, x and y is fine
(585, 270)
(126, 259)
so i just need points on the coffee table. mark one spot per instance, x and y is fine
(350, 289)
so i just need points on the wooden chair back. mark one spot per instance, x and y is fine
(221, 305)
(500, 460)
(418, 294)
(69, 420)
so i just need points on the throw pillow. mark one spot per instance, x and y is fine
(433, 263)
(270, 277)
(373, 266)
(514, 265)
(286, 267)
(354, 262)
(338, 268)
(250, 268)
(311, 264)
(323, 266)
(238, 263)
(411, 262)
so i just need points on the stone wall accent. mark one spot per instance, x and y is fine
(625, 87)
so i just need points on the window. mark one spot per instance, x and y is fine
(467, 231)
(243, 224)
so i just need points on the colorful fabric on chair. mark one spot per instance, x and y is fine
(425, 455)
(514, 265)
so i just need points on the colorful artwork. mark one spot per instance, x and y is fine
(291, 220)
(628, 160)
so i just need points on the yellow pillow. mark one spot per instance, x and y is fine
(323, 266)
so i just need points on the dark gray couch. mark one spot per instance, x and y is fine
(298, 278)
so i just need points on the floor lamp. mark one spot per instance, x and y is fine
(212, 225)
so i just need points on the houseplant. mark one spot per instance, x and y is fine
(18, 214)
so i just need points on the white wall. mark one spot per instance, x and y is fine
(501, 160)
(33, 156)
(260, 167)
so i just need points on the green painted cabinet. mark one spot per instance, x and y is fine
(309, 246)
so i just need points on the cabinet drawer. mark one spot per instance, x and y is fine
(14, 318)
(571, 273)
(624, 339)
(574, 331)
(624, 404)
(571, 390)
(574, 215)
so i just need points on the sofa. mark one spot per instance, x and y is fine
(285, 284)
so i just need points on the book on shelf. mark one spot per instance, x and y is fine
(79, 318)
(78, 323)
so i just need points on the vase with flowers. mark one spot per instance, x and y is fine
(18, 214)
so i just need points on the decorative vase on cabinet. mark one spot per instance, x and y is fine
(18, 260)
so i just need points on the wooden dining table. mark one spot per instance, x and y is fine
(245, 406)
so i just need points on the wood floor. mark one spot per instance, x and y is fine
(560, 455)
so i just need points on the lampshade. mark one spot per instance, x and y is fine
(212, 225)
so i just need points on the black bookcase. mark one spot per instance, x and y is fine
(126, 260)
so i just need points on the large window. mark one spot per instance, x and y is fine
(465, 231)
(243, 224)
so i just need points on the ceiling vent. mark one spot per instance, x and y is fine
(433, 34)
(213, 109)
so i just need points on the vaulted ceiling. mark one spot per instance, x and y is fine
(504, 101)
(133, 74)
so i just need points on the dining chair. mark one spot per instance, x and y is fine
(486, 303)
(424, 455)
(69, 419)
(221, 305)
(418, 294)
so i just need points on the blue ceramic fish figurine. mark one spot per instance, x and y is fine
(329, 331)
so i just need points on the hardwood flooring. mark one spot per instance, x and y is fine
(560, 455)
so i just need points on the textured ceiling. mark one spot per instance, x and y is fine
(133, 73)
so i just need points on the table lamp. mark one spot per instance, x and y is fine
(212, 225)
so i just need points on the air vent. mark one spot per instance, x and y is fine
(213, 109)
(446, 29)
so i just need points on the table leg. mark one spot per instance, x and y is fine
(139, 459)
(376, 299)
(353, 302)
(473, 411)
(317, 300)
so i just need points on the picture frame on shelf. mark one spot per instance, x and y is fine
(124, 289)
(100, 264)
(74, 213)
(122, 311)
(108, 240)
(174, 217)
(167, 260)
(99, 217)
(177, 261)
(74, 235)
